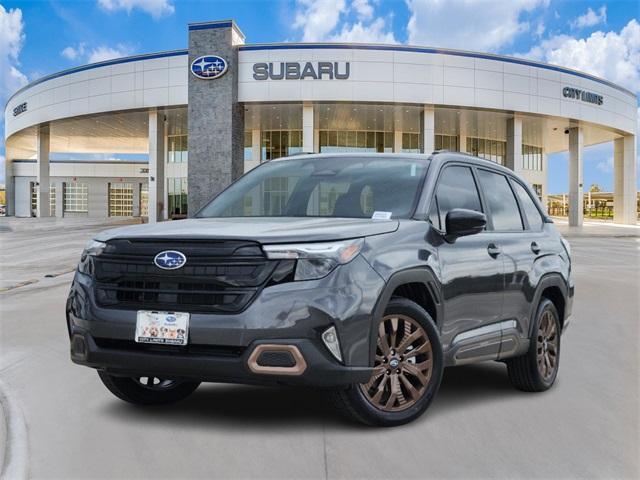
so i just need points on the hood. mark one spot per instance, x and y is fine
(263, 230)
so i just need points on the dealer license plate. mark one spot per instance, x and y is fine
(164, 328)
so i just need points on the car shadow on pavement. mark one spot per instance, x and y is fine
(251, 407)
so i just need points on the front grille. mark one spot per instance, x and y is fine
(219, 276)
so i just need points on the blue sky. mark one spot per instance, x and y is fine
(41, 37)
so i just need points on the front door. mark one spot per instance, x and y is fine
(471, 271)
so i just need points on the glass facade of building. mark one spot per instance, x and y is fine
(447, 142)
(177, 149)
(177, 197)
(144, 200)
(531, 157)
(52, 199)
(337, 141)
(494, 150)
(411, 143)
(278, 143)
(120, 199)
(76, 197)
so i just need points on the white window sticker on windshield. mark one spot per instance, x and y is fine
(381, 216)
(413, 169)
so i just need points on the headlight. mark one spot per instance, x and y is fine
(94, 248)
(315, 260)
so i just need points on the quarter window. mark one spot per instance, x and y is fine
(502, 203)
(529, 208)
(456, 189)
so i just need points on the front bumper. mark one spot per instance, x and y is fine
(133, 360)
(294, 313)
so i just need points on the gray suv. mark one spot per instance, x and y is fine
(367, 274)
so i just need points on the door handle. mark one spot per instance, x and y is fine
(493, 250)
(535, 248)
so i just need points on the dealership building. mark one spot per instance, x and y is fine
(157, 135)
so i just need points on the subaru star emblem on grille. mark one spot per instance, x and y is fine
(209, 67)
(170, 260)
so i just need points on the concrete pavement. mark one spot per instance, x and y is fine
(478, 426)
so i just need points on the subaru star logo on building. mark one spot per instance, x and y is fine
(209, 66)
(170, 260)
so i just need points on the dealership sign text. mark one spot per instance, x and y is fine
(20, 109)
(301, 71)
(577, 94)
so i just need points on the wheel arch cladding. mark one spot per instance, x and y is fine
(553, 287)
(416, 284)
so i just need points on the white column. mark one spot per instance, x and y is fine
(59, 199)
(397, 141)
(514, 144)
(576, 190)
(545, 181)
(42, 171)
(10, 182)
(462, 128)
(428, 129)
(307, 127)
(256, 145)
(625, 178)
(157, 179)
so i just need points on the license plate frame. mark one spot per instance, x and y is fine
(162, 328)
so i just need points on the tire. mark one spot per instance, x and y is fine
(398, 370)
(526, 373)
(134, 390)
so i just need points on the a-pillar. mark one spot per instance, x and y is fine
(156, 166)
(514, 144)
(576, 190)
(42, 171)
(625, 178)
(307, 127)
(428, 129)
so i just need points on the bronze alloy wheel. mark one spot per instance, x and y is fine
(403, 364)
(547, 346)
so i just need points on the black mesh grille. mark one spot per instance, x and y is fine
(219, 276)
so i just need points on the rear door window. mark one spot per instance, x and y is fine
(501, 201)
(528, 206)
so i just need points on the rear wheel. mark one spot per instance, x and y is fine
(147, 390)
(536, 370)
(407, 369)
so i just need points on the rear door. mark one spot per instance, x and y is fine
(471, 269)
(520, 245)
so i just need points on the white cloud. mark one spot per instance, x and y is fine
(611, 55)
(156, 8)
(102, 53)
(11, 40)
(363, 8)
(590, 18)
(336, 20)
(468, 24)
(359, 33)
(317, 19)
(73, 52)
(605, 166)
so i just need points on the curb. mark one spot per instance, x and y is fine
(14, 465)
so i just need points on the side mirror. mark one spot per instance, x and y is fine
(461, 222)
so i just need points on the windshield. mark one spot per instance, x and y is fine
(324, 187)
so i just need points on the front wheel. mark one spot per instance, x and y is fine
(147, 390)
(407, 370)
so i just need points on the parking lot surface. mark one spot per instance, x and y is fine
(478, 426)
